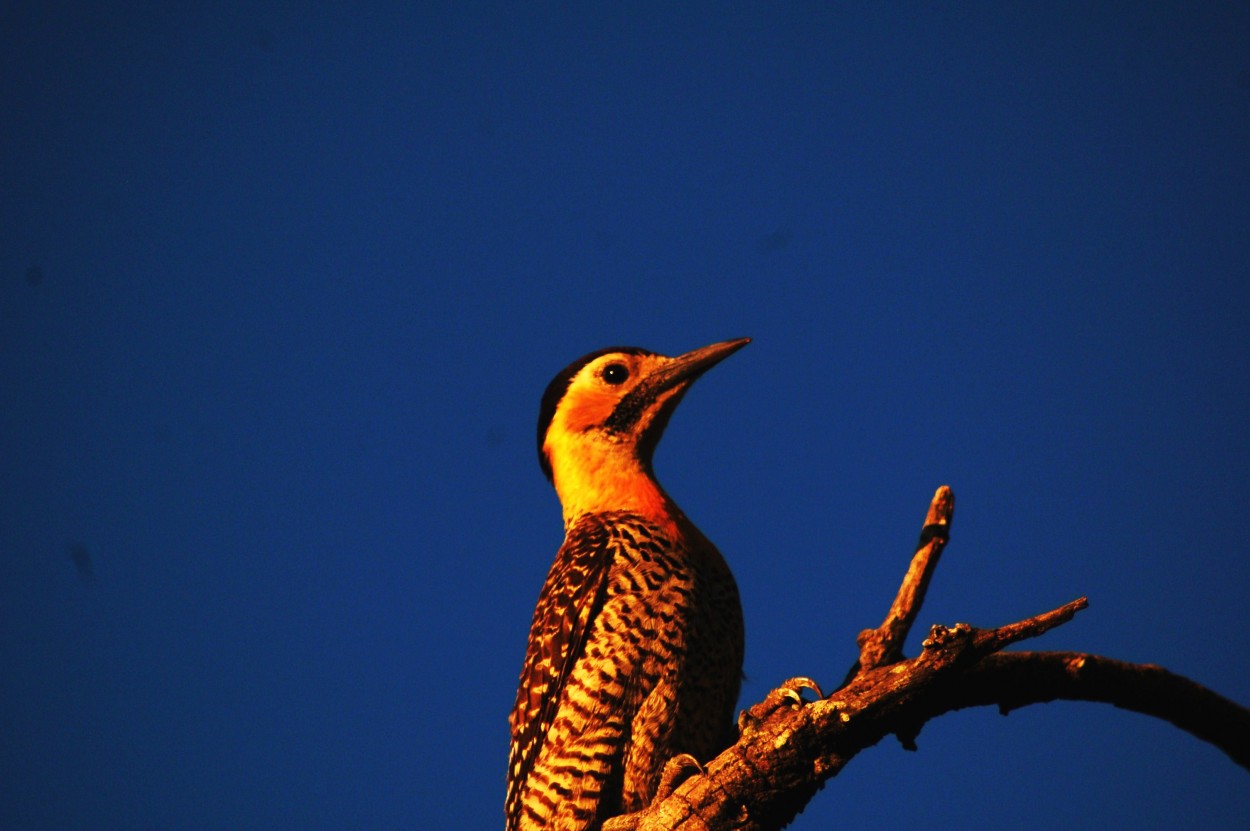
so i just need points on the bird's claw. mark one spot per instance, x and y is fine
(676, 770)
(788, 696)
(793, 686)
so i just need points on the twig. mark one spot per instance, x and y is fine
(992, 640)
(884, 645)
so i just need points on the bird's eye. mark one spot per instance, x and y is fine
(615, 374)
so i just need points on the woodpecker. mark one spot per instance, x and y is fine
(635, 650)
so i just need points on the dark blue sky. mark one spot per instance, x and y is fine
(280, 290)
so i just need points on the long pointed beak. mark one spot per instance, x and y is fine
(680, 372)
(692, 364)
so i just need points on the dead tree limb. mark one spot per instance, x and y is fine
(790, 746)
(884, 645)
(1014, 679)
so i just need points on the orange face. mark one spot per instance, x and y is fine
(596, 390)
(595, 468)
(586, 406)
(604, 427)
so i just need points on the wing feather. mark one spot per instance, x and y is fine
(569, 601)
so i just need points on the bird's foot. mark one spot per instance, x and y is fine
(676, 770)
(788, 696)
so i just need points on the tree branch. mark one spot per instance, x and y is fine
(1014, 679)
(789, 747)
(884, 645)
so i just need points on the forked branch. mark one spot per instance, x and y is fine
(789, 746)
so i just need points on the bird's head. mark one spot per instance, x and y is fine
(601, 419)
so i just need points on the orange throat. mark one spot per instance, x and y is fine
(612, 482)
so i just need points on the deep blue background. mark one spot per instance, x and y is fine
(280, 289)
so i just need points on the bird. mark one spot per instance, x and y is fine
(635, 651)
